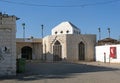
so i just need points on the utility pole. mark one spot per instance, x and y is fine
(23, 24)
(109, 32)
(99, 33)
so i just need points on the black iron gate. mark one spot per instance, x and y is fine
(57, 51)
(27, 52)
(81, 51)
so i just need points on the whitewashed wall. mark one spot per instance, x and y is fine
(64, 27)
(100, 50)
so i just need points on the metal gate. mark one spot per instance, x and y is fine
(27, 52)
(57, 51)
(81, 51)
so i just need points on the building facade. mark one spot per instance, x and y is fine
(7, 44)
(107, 50)
(108, 53)
(30, 48)
(69, 47)
(65, 43)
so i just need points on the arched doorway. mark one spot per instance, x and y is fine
(26, 52)
(81, 50)
(57, 51)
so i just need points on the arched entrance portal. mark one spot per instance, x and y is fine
(81, 51)
(26, 52)
(57, 51)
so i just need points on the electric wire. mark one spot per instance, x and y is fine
(43, 5)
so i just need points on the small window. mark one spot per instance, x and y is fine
(61, 32)
(67, 31)
(56, 32)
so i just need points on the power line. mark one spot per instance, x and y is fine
(101, 3)
(82, 5)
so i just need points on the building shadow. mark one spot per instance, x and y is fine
(57, 70)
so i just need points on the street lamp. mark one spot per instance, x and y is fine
(42, 57)
(109, 32)
(42, 30)
(23, 24)
(99, 33)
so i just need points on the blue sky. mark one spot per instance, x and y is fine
(88, 15)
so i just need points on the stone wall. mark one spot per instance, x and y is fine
(7, 45)
(48, 43)
(73, 44)
(35, 44)
(70, 43)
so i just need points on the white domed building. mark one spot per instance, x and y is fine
(67, 43)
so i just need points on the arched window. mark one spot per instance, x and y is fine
(56, 32)
(57, 43)
(61, 32)
(67, 31)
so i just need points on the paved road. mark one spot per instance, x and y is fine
(82, 72)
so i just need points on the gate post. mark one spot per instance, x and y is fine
(104, 57)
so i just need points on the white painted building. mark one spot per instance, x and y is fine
(107, 50)
(67, 43)
(65, 28)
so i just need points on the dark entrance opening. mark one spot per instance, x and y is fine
(57, 51)
(81, 51)
(27, 52)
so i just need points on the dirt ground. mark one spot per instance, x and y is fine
(65, 72)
